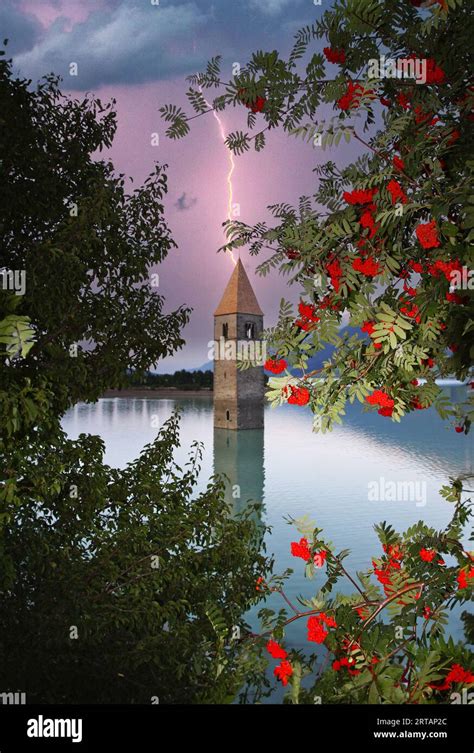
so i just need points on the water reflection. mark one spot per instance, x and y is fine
(295, 472)
(239, 455)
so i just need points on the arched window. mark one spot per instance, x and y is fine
(225, 330)
(227, 415)
(249, 330)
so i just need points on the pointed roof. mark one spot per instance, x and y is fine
(238, 297)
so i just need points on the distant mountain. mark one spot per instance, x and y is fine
(316, 361)
(209, 366)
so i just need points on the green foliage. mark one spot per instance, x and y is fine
(384, 640)
(151, 573)
(416, 320)
(197, 100)
(85, 245)
(175, 116)
(107, 577)
(239, 142)
(17, 335)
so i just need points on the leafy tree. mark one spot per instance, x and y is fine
(384, 642)
(84, 244)
(385, 245)
(115, 585)
(126, 586)
(385, 241)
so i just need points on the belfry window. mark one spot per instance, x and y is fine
(225, 331)
(249, 330)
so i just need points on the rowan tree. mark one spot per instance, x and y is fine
(384, 244)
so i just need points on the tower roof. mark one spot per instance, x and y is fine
(238, 297)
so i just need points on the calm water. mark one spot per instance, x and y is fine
(295, 472)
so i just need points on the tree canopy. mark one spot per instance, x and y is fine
(385, 242)
(85, 246)
(385, 245)
(115, 585)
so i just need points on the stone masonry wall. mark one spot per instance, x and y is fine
(238, 395)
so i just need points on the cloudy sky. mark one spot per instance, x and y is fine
(140, 51)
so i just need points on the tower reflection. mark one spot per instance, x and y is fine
(239, 457)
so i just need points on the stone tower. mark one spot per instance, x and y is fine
(238, 325)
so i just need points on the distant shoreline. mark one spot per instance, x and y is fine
(162, 393)
(159, 393)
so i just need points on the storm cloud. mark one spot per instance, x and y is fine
(22, 30)
(134, 41)
(129, 44)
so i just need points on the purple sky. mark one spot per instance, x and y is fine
(140, 53)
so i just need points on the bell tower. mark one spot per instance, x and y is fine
(238, 326)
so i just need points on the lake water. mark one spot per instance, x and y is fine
(295, 472)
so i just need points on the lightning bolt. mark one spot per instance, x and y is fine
(230, 190)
